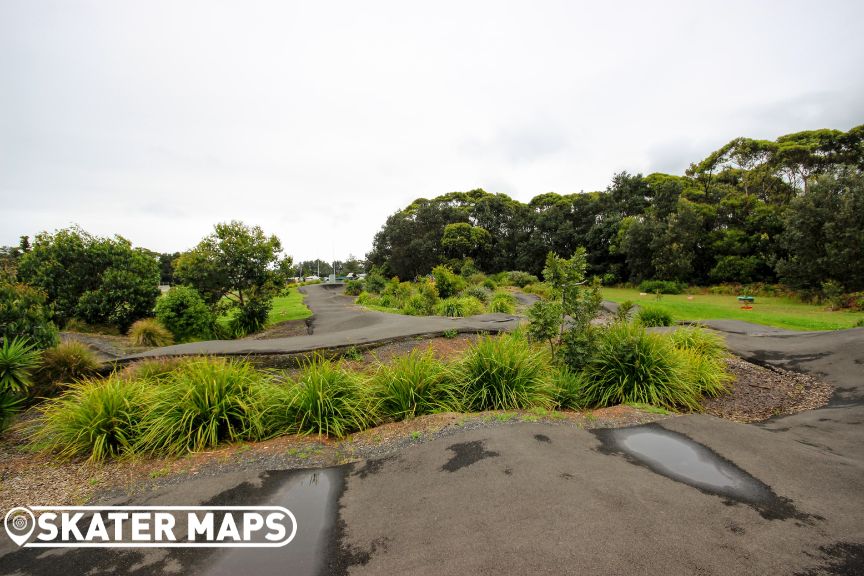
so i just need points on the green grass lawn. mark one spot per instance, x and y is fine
(771, 311)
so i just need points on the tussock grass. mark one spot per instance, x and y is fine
(630, 365)
(204, 402)
(459, 306)
(94, 418)
(413, 385)
(64, 364)
(567, 388)
(502, 302)
(504, 373)
(654, 316)
(150, 332)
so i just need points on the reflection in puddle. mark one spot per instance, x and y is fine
(678, 457)
(311, 496)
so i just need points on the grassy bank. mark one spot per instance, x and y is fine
(771, 311)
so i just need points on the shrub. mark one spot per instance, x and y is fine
(662, 286)
(183, 311)
(18, 359)
(521, 279)
(545, 322)
(447, 282)
(624, 309)
(153, 368)
(375, 282)
(459, 307)
(96, 418)
(354, 287)
(64, 364)
(204, 402)
(705, 343)
(413, 385)
(416, 305)
(478, 278)
(567, 388)
(503, 302)
(630, 365)
(478, 292)
(708, 374)
(490, 284)
(326, 399)
(366, 299)
(397, 292)
(429, 292)
(150, 332)
(504, 373)
(654, 316)
(540, 289)
(24, 314)
(251, 316)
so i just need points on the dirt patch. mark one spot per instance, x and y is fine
(758, 393)
(285, 329)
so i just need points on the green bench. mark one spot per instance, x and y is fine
(747, 299)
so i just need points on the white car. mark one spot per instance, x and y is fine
(311, 278)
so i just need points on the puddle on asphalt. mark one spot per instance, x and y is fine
(678, 457)
(311, 495)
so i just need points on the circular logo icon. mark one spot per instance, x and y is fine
(19, 523)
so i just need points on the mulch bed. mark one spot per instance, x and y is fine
(758, 393)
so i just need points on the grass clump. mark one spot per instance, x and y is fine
(567, 388)
(204, 402)
(630, 365)
(413, 385)
(150, 332)
(94, 418)
(654, 316)
(504, 373)
(326, 399)
(456, 307)
(64, 364)
(156, 369)
(502, 302)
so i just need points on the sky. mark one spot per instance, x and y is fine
(317, 120)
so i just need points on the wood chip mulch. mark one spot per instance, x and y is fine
(759, 393)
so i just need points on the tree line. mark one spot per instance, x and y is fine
(789, 210)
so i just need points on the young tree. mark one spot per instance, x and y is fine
(239, 268)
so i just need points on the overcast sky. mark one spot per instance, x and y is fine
(316, 120)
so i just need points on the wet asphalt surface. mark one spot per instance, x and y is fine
(689, 495)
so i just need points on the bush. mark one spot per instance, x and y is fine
(624, 310)
(540, 289)
(251, 316)
(375, 282)
(459, 307)
(326, 399)
(367, 299)
(504, 373)
(354, 287)
(18, 359)
(397, 292)
(706, 352)
(204, 402)
(429, 292)
(654, 316)
(416, 305)
(413, 385)
(183, 311)
(64, 364)
(447, 282)
(503, 302)
(24, 314)
(662, 286)
(705, 343)
(490, 284)
(150, 332)
(567, 388)
(630, 365)
(478, 278)
(153, 368)
(94, 418)
(521, 279)
(478, 292)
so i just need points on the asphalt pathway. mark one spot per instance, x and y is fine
(688, 495)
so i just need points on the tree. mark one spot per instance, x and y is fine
(100, 280)
(236, 268)
(25, 314)
(462, 240)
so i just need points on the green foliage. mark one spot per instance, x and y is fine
(521, 279)
(624, 310)
(204, 402)
(704, 342)
(462, 239)
(631, 365)
(251, 316)
(567, 388)
(545, 319)
(375, 282)
(366, 299)
(153, 369)
(95, 418)
(326, 399)
(413, 385)
(354, 287)
(478, 292)
(706, 352)
(502, 302)
(450, 333)
(182, 311)
(540, 289)
(100, 280)
(459, 307)
(18, 360)
(62, 365)
(447, 282)
(150, 332)
(490, 284)
(25, 314)
(662, 286)
(416, 305)
(654, 316)
(503, 373)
